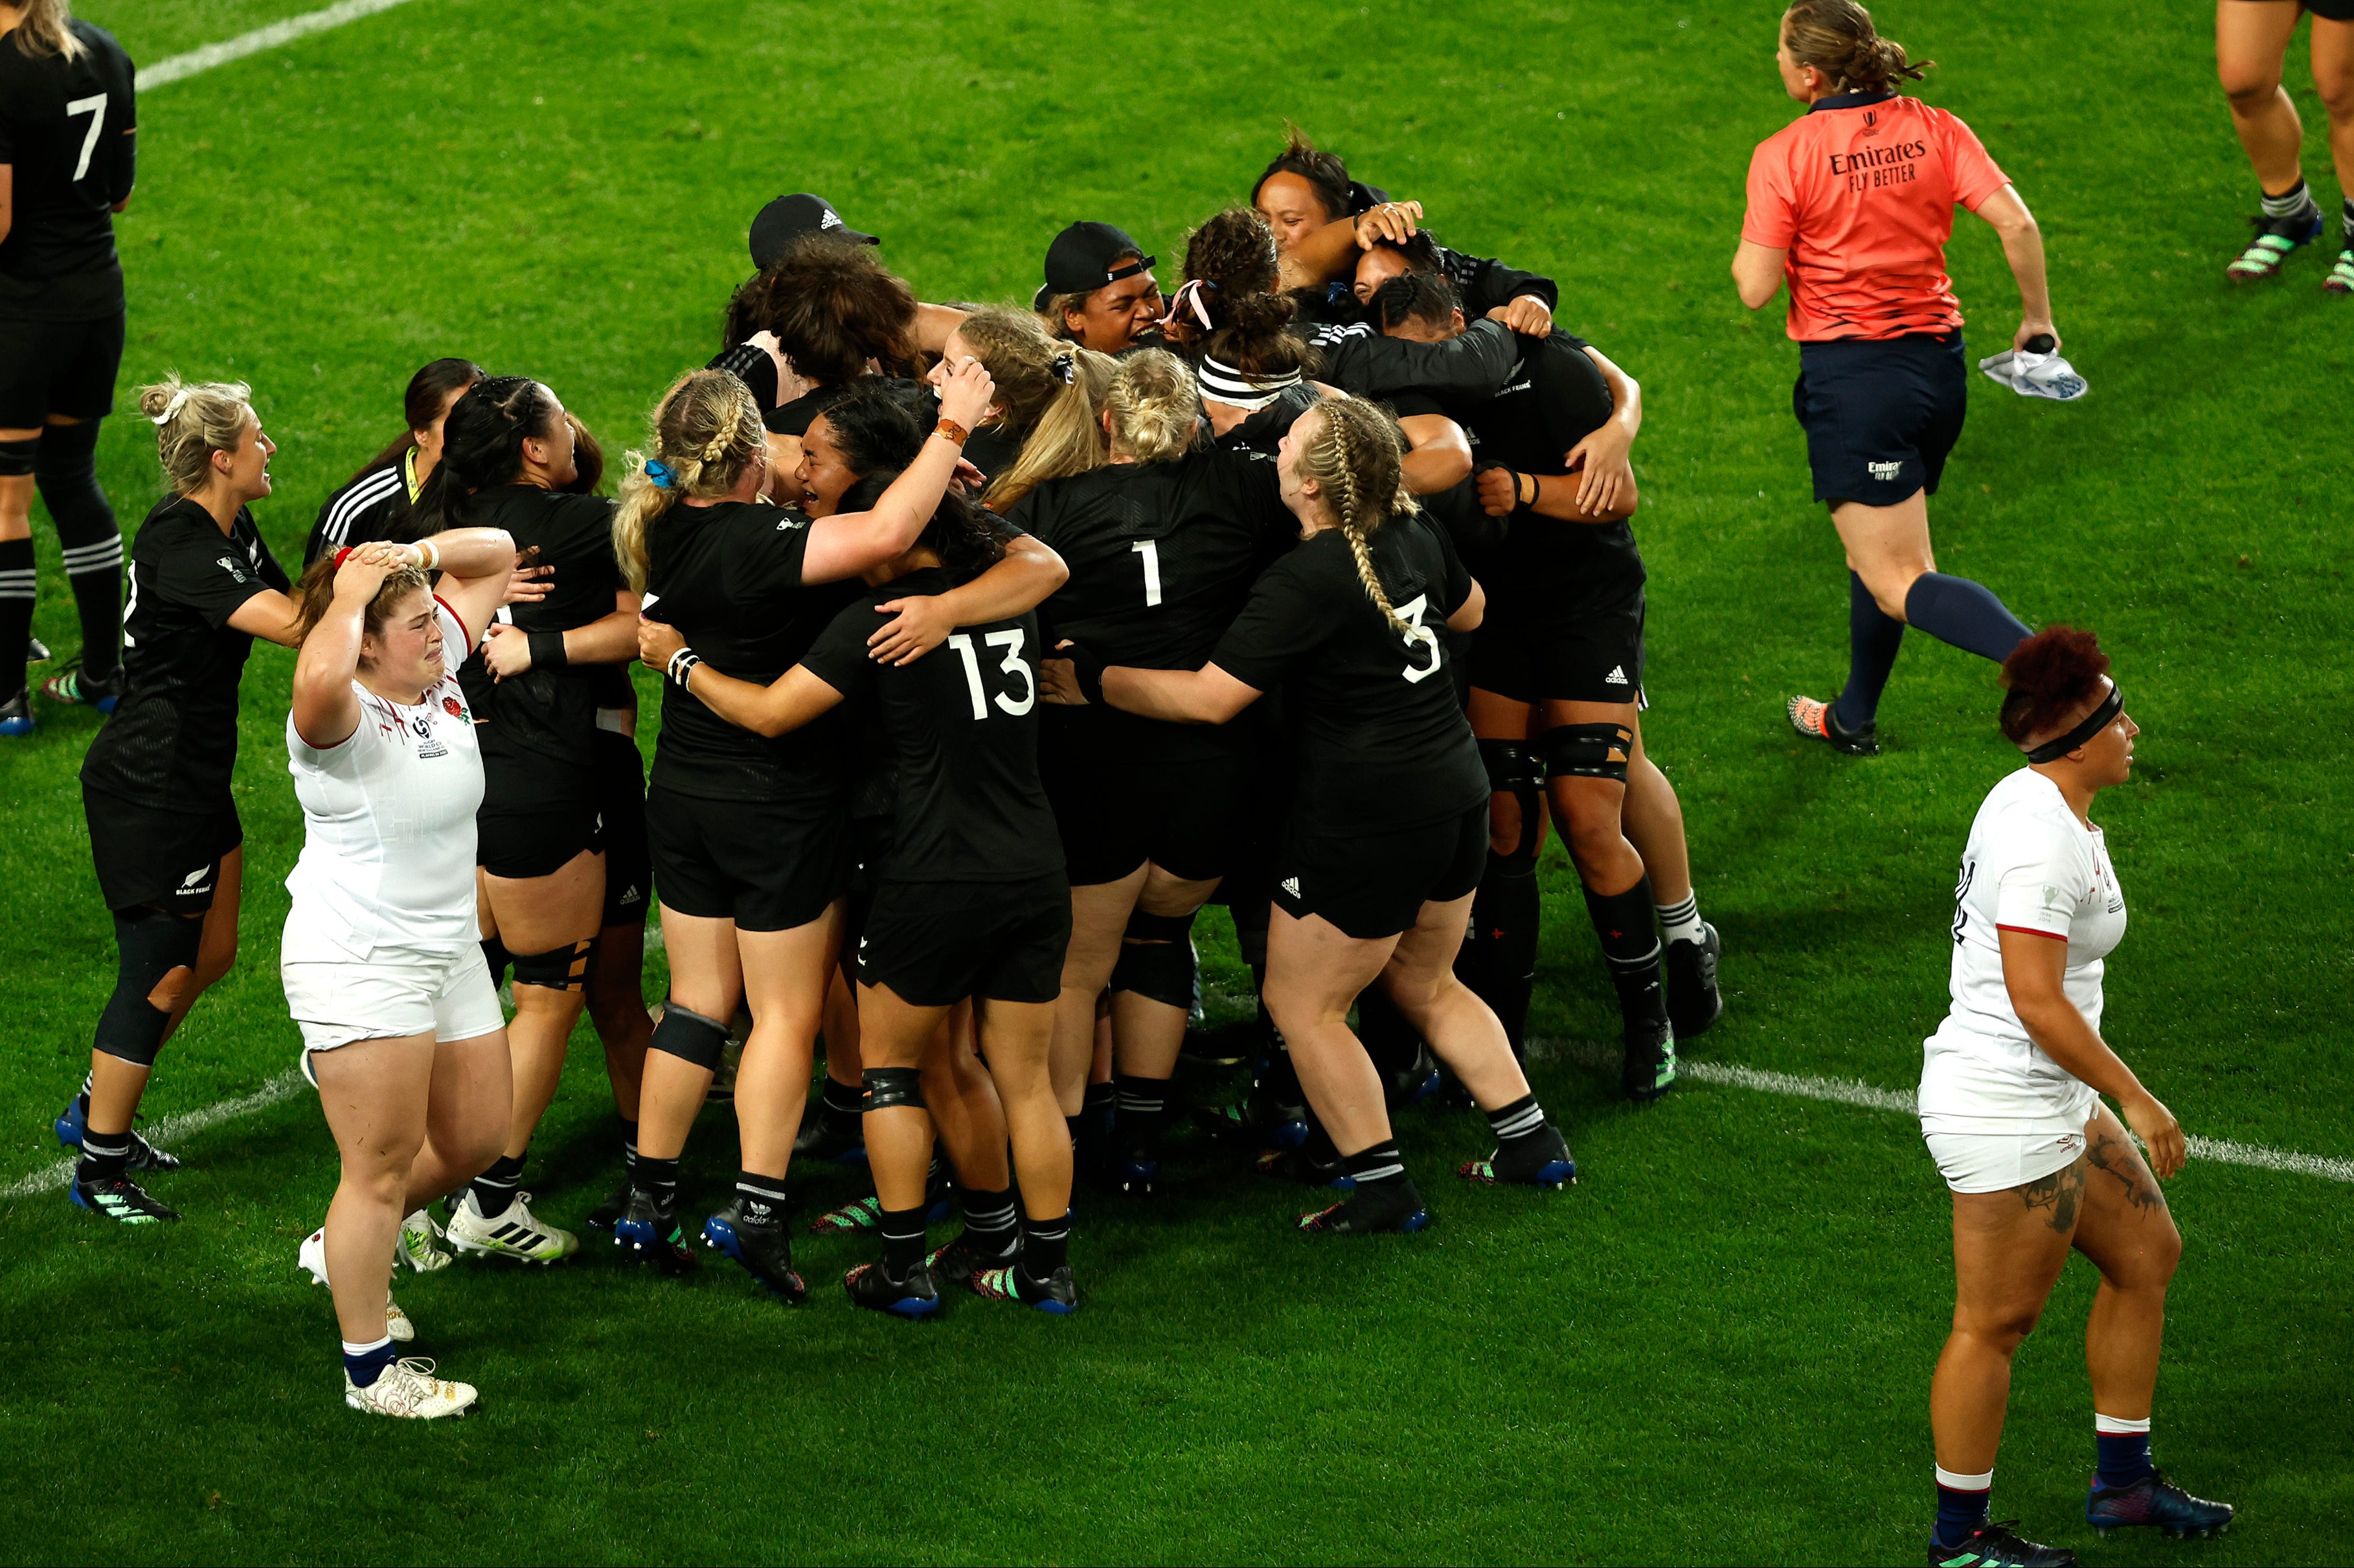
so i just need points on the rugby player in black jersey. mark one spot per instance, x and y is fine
(747, 347)
(1556, 684)
(163, 827)
(68, 115)
(1162, 542)
(1388, 830)
(374, 502)
(973, 901)
(1100, 292)
(508, 453)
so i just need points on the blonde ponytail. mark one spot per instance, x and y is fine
(705, 431)
(47, 28)
(1069, 438)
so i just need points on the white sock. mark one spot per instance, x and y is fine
(1680, 922)
(351, 1349)
(1946, 1477)
(2116, 1426)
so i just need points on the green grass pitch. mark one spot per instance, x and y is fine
(1717, 1347)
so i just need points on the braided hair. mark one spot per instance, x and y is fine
(705, 432)
(1357, 462)
(481, 445)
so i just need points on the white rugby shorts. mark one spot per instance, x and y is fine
(394, 993)
(1998, 1161)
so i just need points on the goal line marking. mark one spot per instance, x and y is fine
(181, 67)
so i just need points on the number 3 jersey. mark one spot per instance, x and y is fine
(962, 724)
(1384, 744)
(2029, 866)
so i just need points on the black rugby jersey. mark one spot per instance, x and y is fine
(962, 724)
(794, 419)
(545, 716)
(1382, 740)
(172, 743)
(1262, 433)
(1475, 364)
(375, 507)
(993, 449)
(728, 576)
(66, 128)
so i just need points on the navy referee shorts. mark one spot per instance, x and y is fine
(1881, 414)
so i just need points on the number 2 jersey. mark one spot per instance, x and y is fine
(66, 129)
(1383, 742)
(2029, 865)
(961, 728)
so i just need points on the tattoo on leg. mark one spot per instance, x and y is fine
(2118, 1159)
(2061, 1193)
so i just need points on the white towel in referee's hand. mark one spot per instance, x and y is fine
(2035, 375)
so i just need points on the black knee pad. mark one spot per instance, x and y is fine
(16, 458)
(888, 1087)
(1588, 750)
(1512, 771)
(558, 968)
(690, 1036)
(152, 944)
(496, 958)
(1158, 970)
(1143, 928)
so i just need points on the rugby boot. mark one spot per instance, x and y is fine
(1994, 1546)
(914, 1297)
(759, 1242)
(2157, 1502)
(1693, 1000)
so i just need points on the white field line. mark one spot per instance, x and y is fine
(170, 1131)
(253, 43)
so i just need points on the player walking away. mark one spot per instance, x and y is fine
(746, 831)
(1162, 542)
(163, 828)
(1100, 292)
(67, 122)
(1854, 201)
(2010, 1103)
(2252, 39)
(401, 1028)
(508, 458)
(375, 504)
(1389, 824)
(972, 903)
(1557, 690)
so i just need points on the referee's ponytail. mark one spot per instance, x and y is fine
(1837, 38)
(706, 431)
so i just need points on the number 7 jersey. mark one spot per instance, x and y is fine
(962, 723)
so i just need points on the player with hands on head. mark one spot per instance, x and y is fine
(68, 120)
(1388, 829)
(402, 1034)
(2010, 1105)
(1853, 203)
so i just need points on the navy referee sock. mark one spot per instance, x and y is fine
(1873, 639)
(1963, 613)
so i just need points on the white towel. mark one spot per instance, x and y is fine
(2035, 375)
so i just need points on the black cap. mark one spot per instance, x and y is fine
(1080, 260)
(788, 217)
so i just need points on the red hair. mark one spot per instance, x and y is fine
(2049, 677)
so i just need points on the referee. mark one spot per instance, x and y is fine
(68, 121)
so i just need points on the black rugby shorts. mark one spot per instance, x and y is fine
(1118, 807)
(1590, 653)
(57, 368)
(934, 944)
(148, 859)
(1374, 885)
(767, 866)
(534, 838)
(621, 802)
(1881, 414)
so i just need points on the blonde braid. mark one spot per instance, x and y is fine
(1350, 510)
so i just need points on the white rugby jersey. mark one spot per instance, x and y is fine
(388, 817)
(2029, 865)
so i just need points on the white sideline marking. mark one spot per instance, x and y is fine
(253, 43)
(170, 1131)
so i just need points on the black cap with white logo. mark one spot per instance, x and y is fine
(788, 217)
(1081, 260)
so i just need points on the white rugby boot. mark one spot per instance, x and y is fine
(408, 1388)
(513, 1233)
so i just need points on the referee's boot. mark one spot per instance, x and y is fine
(650, 1233)
(753, 1233)
(1693, 1000)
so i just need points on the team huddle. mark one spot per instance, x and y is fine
(993, 644)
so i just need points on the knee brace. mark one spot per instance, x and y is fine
(887, 1087)
(690, 1036)
(1158, 970)
(1588, 750)
(66, 469)
(558, 968)
(152, 945)
(16, 457)
(1512, 771)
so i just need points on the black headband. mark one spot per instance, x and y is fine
(2054, 750)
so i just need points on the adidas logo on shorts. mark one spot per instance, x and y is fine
(1617, 676)
(1292, 886)
(1887, 472)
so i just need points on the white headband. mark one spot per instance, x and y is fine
(1237, 390)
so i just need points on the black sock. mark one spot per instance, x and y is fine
(903, 1240)
(1630, 946)
(1873, 639)
(761, 1200)
(1143, 1107)
(1377, 1166)
(1279, 1080)
(1524, 1119)
(937, 1180)
(990, 1221)
(103, 1154)
(1499, 957)
(840, 1103)
(1392, 1043)
(1963, 613)
(629, 1146)
(658, 1179)
(495, 1189)
(18, 585)
(1045, 1244)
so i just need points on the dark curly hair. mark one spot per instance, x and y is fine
(1254, 336)
(481, 445)
(1235, 252)
(832, 307)
(968, 540)
(2049, 677)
